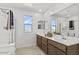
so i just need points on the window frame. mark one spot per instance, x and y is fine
(53, 25)
(27, 24)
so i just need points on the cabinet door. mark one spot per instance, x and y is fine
(58, 45)
(39, 41)
(44, 48)
(44, 41)
(54, 51)
(58, 52)
(51, 50)
(73, 50)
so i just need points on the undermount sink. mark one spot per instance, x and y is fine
(66, 40)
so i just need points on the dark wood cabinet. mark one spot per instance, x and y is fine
(44, 44)
(73, 50)
(39, 41)
(44, 41)
(58, 45)
(59, 52)
(44, 48)
(52, 47)
(51, 50)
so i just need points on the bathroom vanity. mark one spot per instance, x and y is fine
(58, 45)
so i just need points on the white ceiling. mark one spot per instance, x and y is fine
(35, 7)
(70, 11)
(44, 7)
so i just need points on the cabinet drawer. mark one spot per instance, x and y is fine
(44, 41)
(39, 37)
(44, 48)
(54, 51)
(58, 45)
(58, 52)
(39, 42)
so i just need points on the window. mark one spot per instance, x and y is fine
(53, 25)
(27, 23)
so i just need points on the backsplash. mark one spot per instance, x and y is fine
(65, 27)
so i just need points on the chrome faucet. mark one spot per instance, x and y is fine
(64, 38)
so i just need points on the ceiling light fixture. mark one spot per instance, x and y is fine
(40, 10)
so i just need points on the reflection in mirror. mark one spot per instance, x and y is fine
(68, 21)
(71, 25)
(41, 24)
(55, 25)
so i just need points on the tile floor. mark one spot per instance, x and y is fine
(29, 51)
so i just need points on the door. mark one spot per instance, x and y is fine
(51, 50)
(44, 48)
(4, 33)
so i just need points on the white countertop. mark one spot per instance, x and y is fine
(60, 39)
